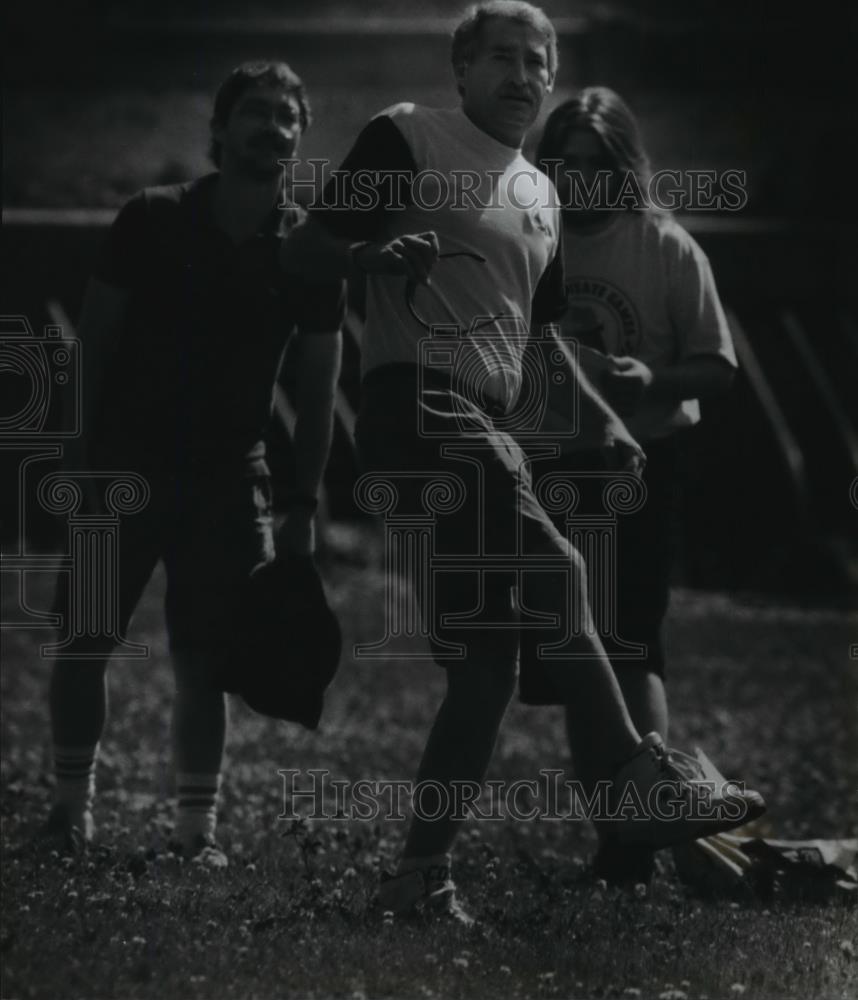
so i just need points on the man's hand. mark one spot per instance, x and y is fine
(625, 454)
(627, 384)
(297, 535)
(412, 256)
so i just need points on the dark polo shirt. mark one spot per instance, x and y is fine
(189, 387)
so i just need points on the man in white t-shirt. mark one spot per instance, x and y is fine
(454, 229)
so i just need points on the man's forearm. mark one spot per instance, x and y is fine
(313, 434)
(594, 410)
(314, 426)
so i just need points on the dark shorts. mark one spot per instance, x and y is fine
(459, 494)
(209, 536)
(629, 554)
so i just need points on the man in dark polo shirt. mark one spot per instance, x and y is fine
(184, 326)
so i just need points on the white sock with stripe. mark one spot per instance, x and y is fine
(74, 768)
(196, 814)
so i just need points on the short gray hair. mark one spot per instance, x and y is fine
(468, 31)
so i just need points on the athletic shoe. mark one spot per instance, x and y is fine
(65, 833)
(203, 850)
(428, 893)
(662, 797)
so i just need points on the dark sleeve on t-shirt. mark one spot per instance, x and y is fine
(320, 306)
(123, 252)
(549, 299)
(374, 181)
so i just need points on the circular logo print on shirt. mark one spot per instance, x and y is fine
(601, 316)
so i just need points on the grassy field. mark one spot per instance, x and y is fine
(769, 691)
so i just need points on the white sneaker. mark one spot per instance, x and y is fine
(661, 797)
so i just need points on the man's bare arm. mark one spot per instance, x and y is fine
(318, 372)
(310, 250)
(595, 416)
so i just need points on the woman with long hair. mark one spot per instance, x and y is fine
(650, 332)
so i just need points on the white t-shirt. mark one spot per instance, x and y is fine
(643, 287)
(485, 201)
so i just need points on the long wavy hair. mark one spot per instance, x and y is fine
(603, 111)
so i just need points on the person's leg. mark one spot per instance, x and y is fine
(78, 705)
(640, 590)
(603, 731)
(645, 697)
(670, 799)
(78, 695)
(198, 739)
(643, 556)
(222, 531)
(460, 744)
(455, 759)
